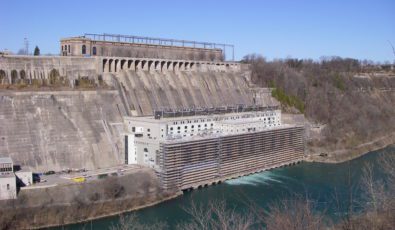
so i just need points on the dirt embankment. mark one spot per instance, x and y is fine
(67, 204)
(343, 155)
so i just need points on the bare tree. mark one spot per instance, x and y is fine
(216, 216)
(297, 214)
(131, 222)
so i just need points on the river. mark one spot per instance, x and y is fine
(321, 181)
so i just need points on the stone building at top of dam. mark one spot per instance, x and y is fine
(78, 110)
(115, 45)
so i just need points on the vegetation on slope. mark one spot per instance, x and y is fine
(353, 100)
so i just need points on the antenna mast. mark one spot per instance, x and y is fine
(26, 46)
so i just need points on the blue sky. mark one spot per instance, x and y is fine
(276, 29)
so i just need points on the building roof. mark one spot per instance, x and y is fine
(151, 119)
(5, 160)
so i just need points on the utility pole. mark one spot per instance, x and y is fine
(26, 46)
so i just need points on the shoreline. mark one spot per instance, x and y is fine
(111, 214)
(344, 155)
(333, 158)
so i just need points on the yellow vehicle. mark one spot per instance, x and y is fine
(79, 179)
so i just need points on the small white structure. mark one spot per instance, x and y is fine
(25, 177)
(7, 179)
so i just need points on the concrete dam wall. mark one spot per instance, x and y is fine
(59, 130)
(146, 91)
(28, 68)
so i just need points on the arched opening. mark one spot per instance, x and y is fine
(136, 64)
(14, 76)
(109, 65)
(104, 64)
(116, 65)
(150, 65)
(143, 64)
(130, 63)
(22, 75)
(54, 77)
(94, 50)
(83, 49)
(3, 77)
(122, 64)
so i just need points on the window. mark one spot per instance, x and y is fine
(83, 49)
(8, 186)
(178, 127)
(69, 49)
(186, 127)
(171, 128)
(193, 126)
(94, 50)
(133, 129)
(146, 150)
(148, 130)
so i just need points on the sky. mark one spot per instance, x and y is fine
(273, 28)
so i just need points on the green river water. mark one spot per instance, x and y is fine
(322, 182)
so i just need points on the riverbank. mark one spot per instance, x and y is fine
(321, 182)
(344, 155)
(77, 203)
(82, 203)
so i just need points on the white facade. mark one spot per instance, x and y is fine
(8, 187)
(7, 179)
(146, 133)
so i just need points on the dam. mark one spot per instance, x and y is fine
(88, 109)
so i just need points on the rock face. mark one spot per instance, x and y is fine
(58, 130)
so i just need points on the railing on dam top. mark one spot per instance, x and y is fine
(115, 64)
(161, 41)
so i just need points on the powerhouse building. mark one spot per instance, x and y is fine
(115, 45)
(189, 150)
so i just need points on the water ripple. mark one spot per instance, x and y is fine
(255, 179)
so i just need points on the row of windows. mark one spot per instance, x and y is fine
(5, 169)
(226, 118)
(189, 121)
(83, 51)
(66, 48)
(192, 126)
